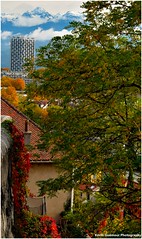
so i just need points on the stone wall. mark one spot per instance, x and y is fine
(7, 207)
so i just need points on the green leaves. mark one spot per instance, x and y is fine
(92, 82)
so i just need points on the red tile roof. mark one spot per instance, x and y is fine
(19, 121)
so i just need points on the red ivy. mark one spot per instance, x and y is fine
(27, 224)
(20, 170)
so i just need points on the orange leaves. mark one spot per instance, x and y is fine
(9, 87)
(41, 113)
(18, 84)
(10, 94)
(6, 81)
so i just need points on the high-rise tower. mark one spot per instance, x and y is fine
(22, 48)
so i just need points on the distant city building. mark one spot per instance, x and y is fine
(22, 48)
(15, 75)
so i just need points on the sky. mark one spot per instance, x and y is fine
(52, 7)
(40, 34)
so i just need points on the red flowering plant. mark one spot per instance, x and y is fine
(27, 225)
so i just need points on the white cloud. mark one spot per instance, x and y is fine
(29, 22)
(5, 35)
(53, 7)
(42, 35)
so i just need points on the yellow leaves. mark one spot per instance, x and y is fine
(9, 87)
(44, 113)
(99, 70)
(97, 177)
(18, 84)
(6, 81)
(116, 221)
(41, 113)
(10, 94)
(38, 98)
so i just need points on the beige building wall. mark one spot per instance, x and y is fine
(43, 171)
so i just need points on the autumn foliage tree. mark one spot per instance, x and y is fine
(18, 84)
(32, 109)
(10, 87)
(6, 81)
(94, 75)
(10, 94)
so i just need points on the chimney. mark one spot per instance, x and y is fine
(27, 133)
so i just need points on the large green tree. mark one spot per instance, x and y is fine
(92, 80)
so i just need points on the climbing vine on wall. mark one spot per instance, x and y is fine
(20, 170)
(26, 223)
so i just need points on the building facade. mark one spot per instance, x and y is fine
(22, 48)
(42, 166)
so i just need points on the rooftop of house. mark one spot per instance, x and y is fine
(19, 121)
